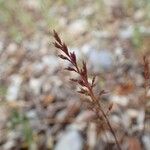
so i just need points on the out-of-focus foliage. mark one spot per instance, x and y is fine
(18, 119)
(137, 37)
(3, 90)
(15, 18)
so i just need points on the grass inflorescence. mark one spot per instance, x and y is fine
(86, 87)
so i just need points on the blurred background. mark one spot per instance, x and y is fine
(39, 108)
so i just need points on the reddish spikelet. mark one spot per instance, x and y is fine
(74, 80)
(65, 49)
(57, 37)
(57, 45)
(86, 88)
(63, 57)
(83, 91)
(73, 58)
(81, 82)
(93, 81)
(70, 69)
(84, 71)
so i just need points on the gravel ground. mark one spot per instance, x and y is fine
(39, 107)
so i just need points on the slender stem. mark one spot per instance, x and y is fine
(102, 111)
(104, 115)
(111, 129)
(99, 107)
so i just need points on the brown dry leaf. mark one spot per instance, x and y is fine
(18, 57)
(47, 100)
(16, 104)
(125, 88)
(134, 143)
(73, 108)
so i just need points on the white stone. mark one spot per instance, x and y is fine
(32, 4)
(146, 141)
(87, 11)
(121, 100)
(101, 34)
(86, 48)
(31, 114)
(126, 33)
(13, 89)
(35, 85)
(70, 140)
(9, 145)
(91, 134)
(101, 60)
(77, 27)
(132, 113)
(12, 47)
(148, 93)
(51, 61)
